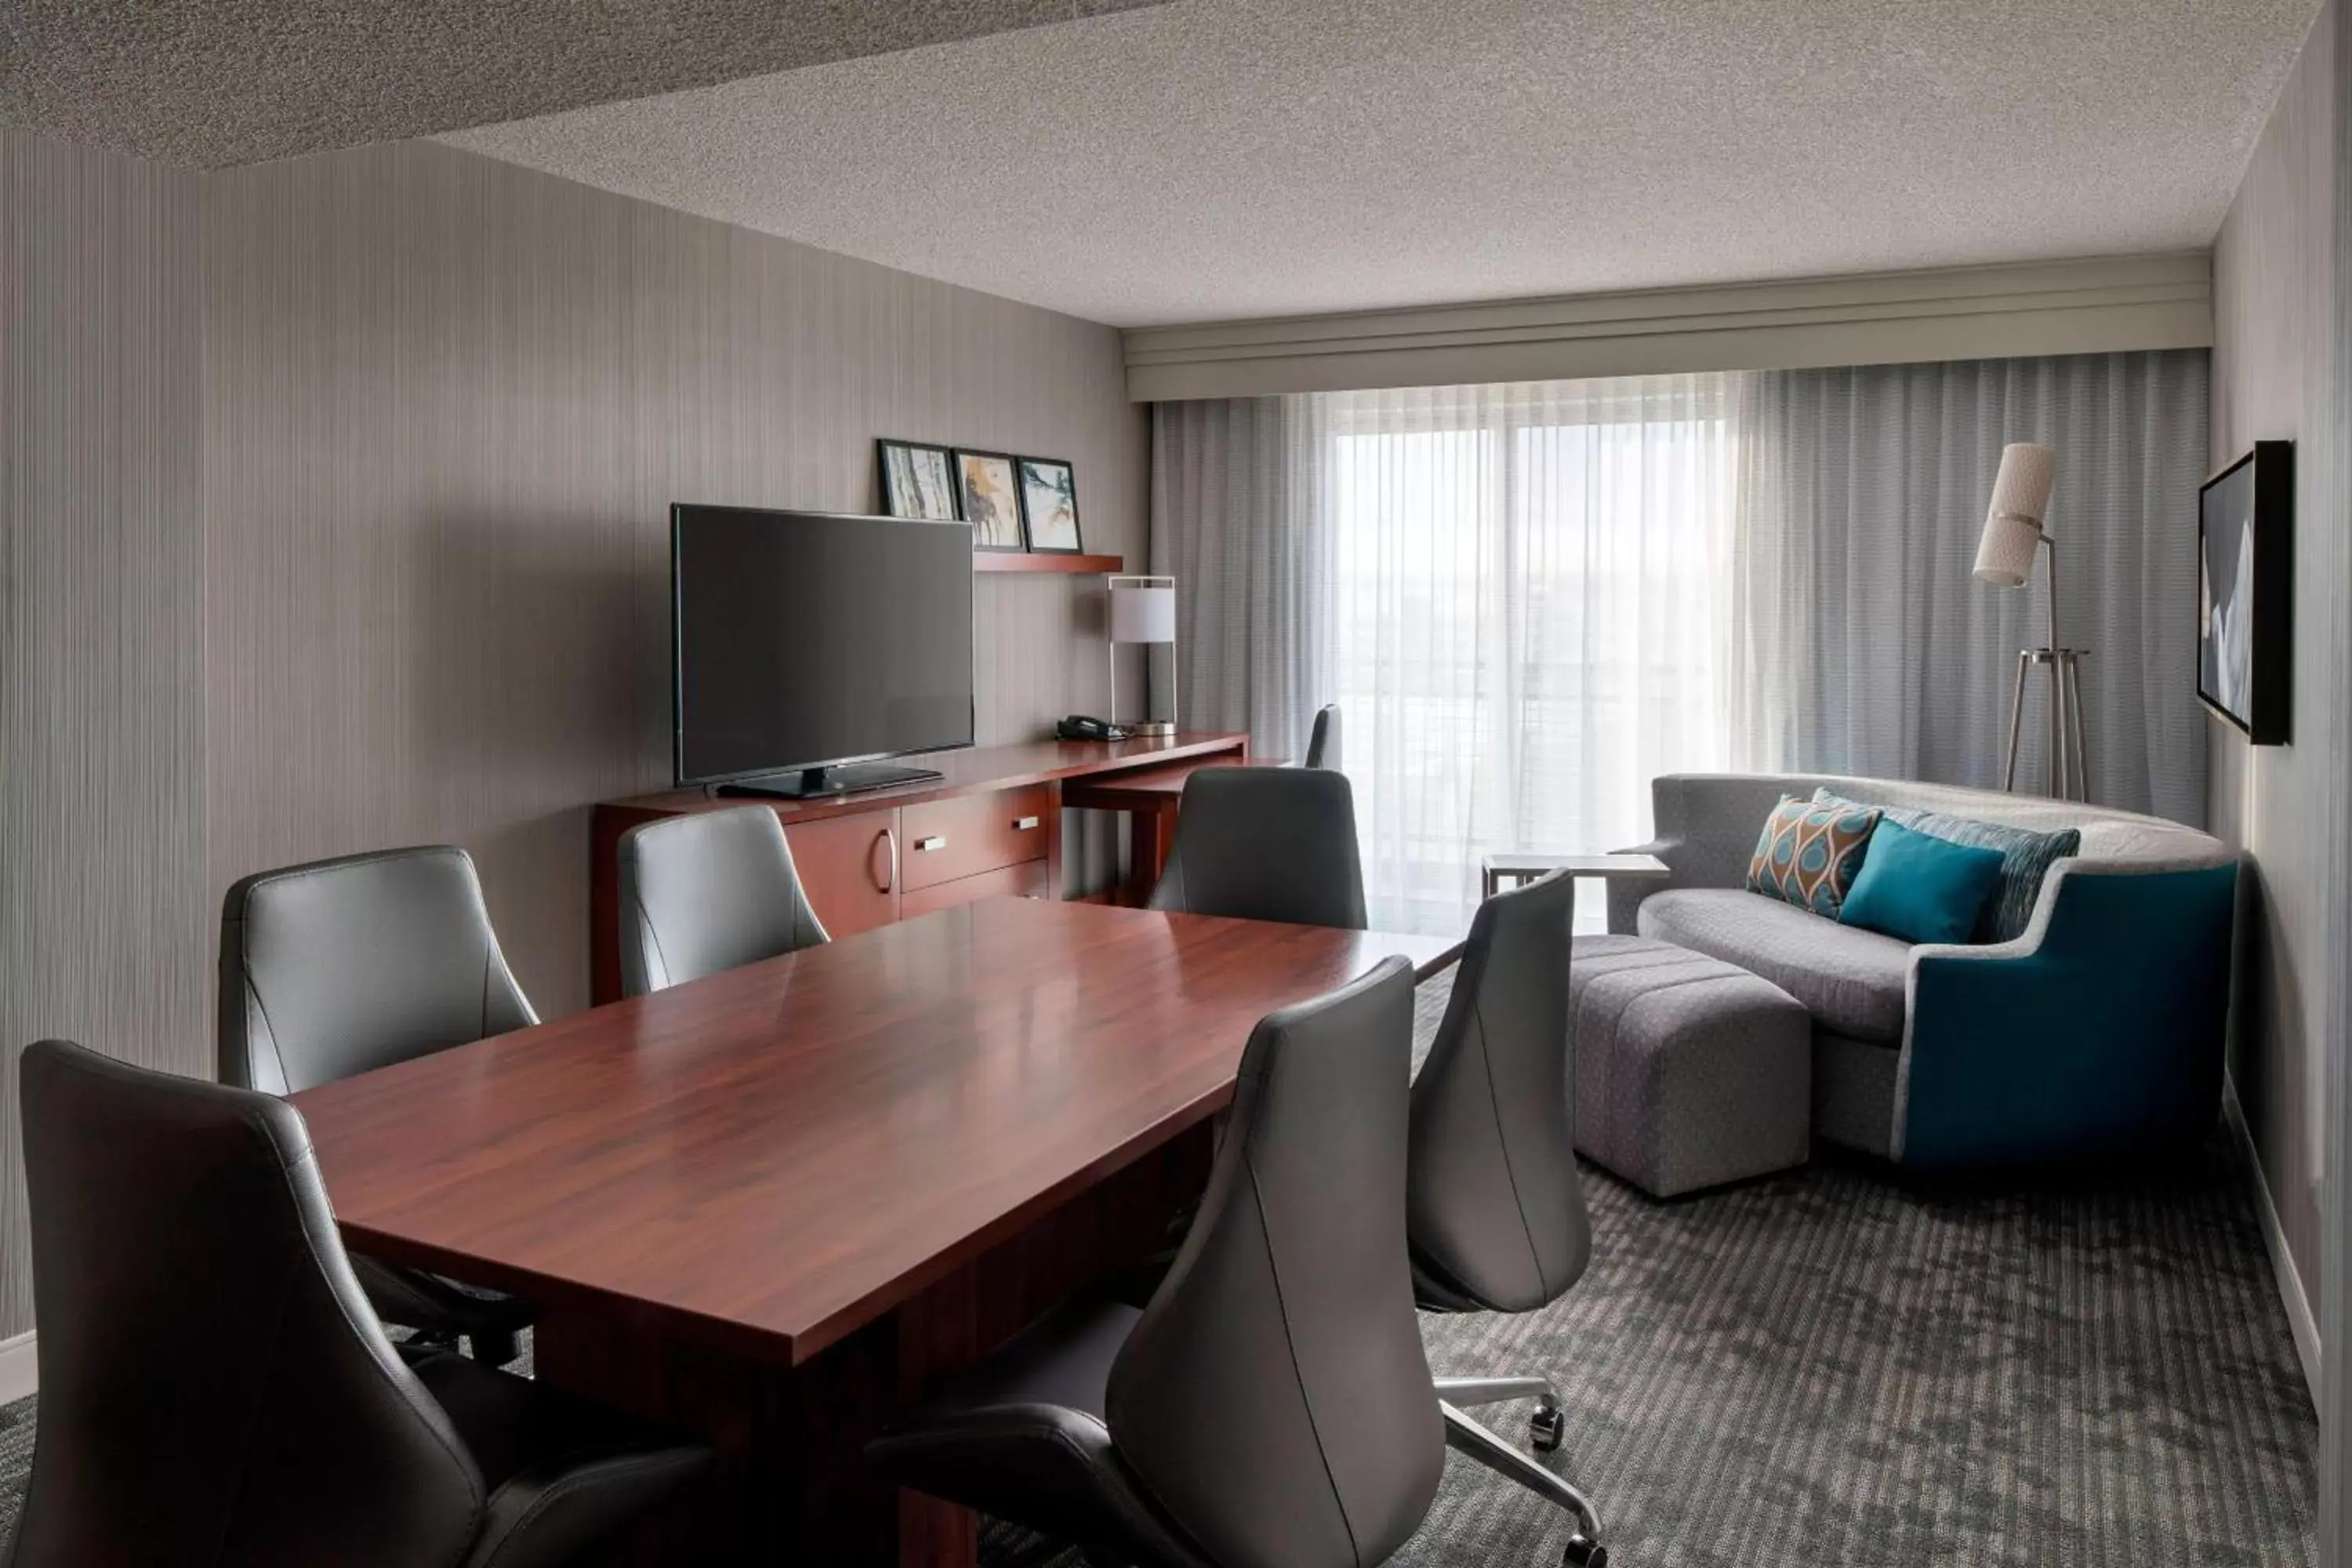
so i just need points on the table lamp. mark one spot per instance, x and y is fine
(1143, 610)
(2013, 537)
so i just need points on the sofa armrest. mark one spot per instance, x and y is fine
(1705, 828)
(2105, 1023)
(1625, 894)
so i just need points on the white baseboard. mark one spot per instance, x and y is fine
(20, 1373)
(2291, 1295)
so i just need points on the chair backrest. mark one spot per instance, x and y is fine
(214, 1385)
(341, 967)
(1274, 1398)
(1323, 740)
(1267, 843)
(1496, 1209)
(708, 891)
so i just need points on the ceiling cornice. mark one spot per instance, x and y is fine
(2085, 306)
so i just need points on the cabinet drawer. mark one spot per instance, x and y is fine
(947, 840)
(1027, 880)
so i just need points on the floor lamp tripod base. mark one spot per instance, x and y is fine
(2066, 768)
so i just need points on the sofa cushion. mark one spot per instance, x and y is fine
(1808, 854)
(1849, 979)
(2026, 857)
(1920, 888)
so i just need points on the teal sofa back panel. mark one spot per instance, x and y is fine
(2111, 1032)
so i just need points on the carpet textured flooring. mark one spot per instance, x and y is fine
(1833, 1367)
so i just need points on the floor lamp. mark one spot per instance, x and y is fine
(2005, 555)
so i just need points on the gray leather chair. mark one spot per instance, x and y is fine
(1323, 739)
(1270, 1407)
(214, 1388)
(708, 891)
(341, 967)
(1496, 1207)
(1267, 843)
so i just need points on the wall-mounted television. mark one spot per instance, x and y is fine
(807, 646)
(2245, 602)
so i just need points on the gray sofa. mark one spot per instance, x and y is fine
(2102, 1025)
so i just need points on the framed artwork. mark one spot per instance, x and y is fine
(1049, 503)
(2245, 519)
(991, 500)
(917, 480)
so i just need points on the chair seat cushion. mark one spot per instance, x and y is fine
(561, 1472)
(1021, 1437)
(1850, 980)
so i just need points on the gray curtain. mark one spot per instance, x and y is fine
(1856, 638)
(1861, 641)
(1232, 522)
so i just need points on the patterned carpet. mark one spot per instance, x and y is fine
(1831, 1368)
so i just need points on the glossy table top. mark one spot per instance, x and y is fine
(773, 1156)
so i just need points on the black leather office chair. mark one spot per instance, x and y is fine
(708, 891)
(214, 1388)
(1496, 1212)
(1323, 739)
(340, 966)
(1267, 843)
(1270, 1407)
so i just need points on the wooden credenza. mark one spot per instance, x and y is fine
(991, 825)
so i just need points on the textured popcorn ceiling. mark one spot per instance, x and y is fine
(235, 81)
(1212, 159)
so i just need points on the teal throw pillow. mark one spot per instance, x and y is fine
(1808, 854)
(1920, 888)
(2026, 857)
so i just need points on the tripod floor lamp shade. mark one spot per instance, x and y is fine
(2013, 537)
(1143, 610)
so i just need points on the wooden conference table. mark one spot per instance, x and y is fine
(773, 1205)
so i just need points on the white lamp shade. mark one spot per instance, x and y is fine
(2021, 498)
(1143, 614)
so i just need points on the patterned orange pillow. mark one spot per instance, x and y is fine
(1810, 852)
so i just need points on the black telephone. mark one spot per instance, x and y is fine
(1081, 726)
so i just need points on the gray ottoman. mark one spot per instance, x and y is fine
(1689, 1072)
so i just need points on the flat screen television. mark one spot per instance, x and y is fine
(807, 646)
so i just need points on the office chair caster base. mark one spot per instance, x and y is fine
(1547, 1430)
(1582, 1552)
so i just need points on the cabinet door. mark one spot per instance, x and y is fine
(850, 867)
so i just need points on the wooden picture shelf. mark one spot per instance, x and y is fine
(1074, 566)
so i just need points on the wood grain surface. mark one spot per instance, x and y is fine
(768, 1159)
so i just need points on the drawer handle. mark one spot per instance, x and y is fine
(1024, 824)
(934, 842)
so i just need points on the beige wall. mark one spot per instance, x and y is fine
(2275, 301)
(448, 402)
(103, 926)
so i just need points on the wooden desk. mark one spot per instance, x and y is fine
(1150, 797)
(991, 825)
(773, 1204)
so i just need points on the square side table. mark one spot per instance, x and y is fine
(1496, 871)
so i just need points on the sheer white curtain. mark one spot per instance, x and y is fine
(1516, 593)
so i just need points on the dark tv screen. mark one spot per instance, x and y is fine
(801, 639)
